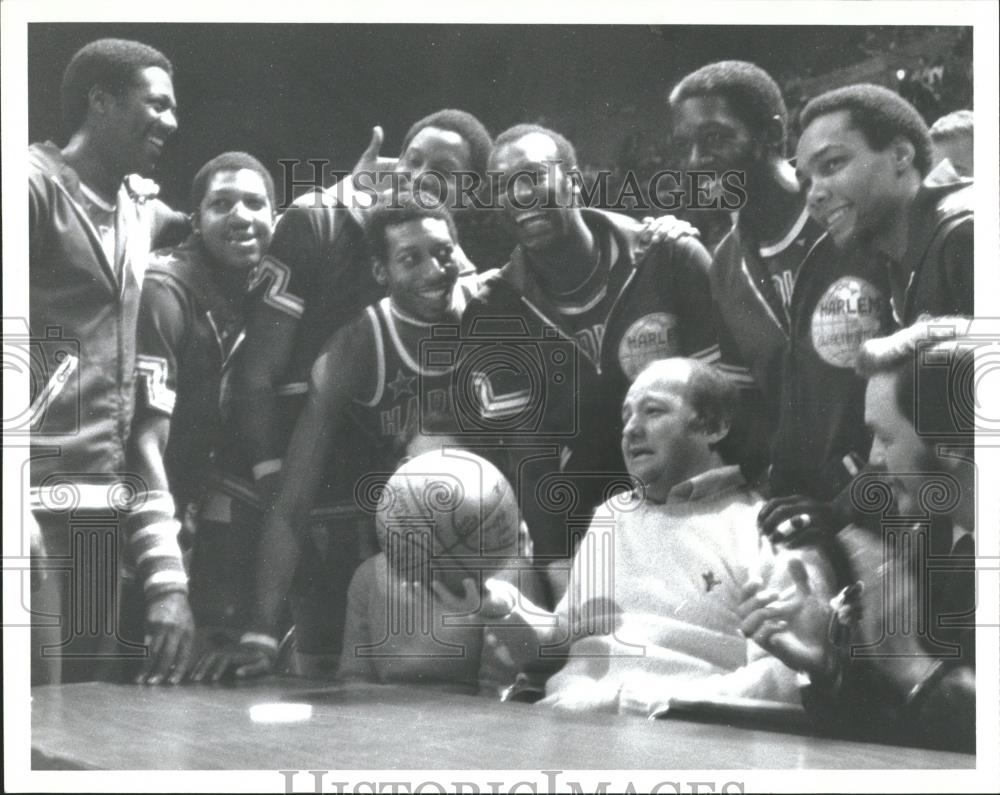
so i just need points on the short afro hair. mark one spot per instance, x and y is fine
(465, 124)
(566, 150)
(954, 125)
(110, 63)
(750, 92)
(399, 207)
(880, 114)
(229, 161)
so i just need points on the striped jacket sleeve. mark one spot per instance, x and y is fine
(151, 527)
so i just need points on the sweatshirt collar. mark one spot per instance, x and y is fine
(707, 484)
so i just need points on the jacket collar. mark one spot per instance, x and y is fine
(943, 175)
(192, 264)
(520, 276)
(941, 182)
(925, 216)
(137, 187)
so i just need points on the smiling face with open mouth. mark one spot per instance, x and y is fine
(140, 120)
(851, 188)
(235, 218)
(419, 269)
(538, 193)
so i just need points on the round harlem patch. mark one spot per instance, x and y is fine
(651, 337)
(849, 313)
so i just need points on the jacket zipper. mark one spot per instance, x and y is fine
(760, 296)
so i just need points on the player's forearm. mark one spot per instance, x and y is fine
(280, 542)
(151, 525)
(146, 449)
(258, 417)
(277, 557)
(270, 341)
(152, 528)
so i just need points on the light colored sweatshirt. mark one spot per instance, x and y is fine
(651, 604)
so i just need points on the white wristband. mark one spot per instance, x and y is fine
(259, 639)
(265, 468)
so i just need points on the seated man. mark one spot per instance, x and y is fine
(652, 607)
(397, 601)
(881, 679)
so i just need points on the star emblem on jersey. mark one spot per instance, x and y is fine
(402, 384)
(710, 581)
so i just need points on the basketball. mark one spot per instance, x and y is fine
(449, 511)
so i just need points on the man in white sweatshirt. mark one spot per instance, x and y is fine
(651, 610)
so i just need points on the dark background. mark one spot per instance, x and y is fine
(315, 90)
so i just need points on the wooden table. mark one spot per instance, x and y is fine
(124, 727)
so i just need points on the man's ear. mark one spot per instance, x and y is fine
(953, 460)
(378, 271)
(774, 135)
(573, 183)
(903, 152)
(526, 546)
(99, 99)
(716, 436)
(195, 220)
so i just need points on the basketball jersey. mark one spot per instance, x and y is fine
(405, 393)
